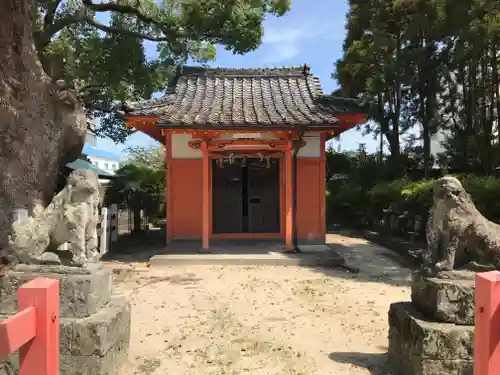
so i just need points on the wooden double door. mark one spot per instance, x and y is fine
(246, 196)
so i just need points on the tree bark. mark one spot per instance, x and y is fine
(496, 82)
(42, 126)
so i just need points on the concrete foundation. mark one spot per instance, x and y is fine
(95, 325)
(260, 253)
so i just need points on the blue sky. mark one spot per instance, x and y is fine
(312, 32)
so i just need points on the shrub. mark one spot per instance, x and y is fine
(485, 193)
(416, 197)
(358, 189)
(385, 194)
(343, 202)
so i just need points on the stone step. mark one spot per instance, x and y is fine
(306, 259)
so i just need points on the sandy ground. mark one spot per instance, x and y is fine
(264, 320)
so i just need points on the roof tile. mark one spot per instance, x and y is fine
(245, 98)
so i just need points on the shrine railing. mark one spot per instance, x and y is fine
(487, 324)
(34, 330)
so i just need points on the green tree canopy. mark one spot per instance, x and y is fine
(152, 157)
(99, 46)
(138, 187)
(430, 65)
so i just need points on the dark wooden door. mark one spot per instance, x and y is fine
(227, 198)
(263, 196)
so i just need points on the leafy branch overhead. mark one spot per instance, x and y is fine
(100, 46)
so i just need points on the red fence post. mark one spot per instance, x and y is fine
(487, 324)
(40, 356)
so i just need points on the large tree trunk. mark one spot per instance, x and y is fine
(42, 126)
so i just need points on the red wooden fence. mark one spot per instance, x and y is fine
(34, 330)
(487, 324)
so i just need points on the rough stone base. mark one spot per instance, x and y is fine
(96, 345)
(94, 325)
(443, 298)
(82, 292)
(420, 347)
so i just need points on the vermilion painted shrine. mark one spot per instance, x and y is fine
(230, 136)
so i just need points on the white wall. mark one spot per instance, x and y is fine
(107, 165)
(181, 149)
(312, 148)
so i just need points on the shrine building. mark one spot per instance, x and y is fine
(245, 152)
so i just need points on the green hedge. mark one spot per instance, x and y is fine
(348, 202)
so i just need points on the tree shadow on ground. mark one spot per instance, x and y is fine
(376, 363)
(136, 247)
(366, 261)
(374, 263)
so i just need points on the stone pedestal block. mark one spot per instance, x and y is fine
(94, 325)
(98, 344)
(83, 291)
(420, 347)
(449, 300)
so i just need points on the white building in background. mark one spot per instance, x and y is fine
(437, 141)
(102, 159)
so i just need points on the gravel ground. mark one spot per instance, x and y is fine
(193, 320)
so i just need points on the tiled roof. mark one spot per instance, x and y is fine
(278, 98)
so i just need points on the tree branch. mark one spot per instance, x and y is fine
(120, 31)
(99, 107)
(51, 28)
(124, 9)
(90, 88)
(43, 38)
(51, 12)
(173, 32)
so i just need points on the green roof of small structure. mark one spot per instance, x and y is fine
(83, 164)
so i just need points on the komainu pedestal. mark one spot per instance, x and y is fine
(418, 346)
(95, 323)
(448, 297)
(434, 333)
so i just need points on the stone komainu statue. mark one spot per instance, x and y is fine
(457, 233)
(70, 218)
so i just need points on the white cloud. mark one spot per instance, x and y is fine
(281, 35)
(284, 43)
(281, 51)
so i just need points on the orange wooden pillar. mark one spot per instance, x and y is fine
(168, 192)
(322, 185)
(205, 216)
(487, 324)
(289, 196)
